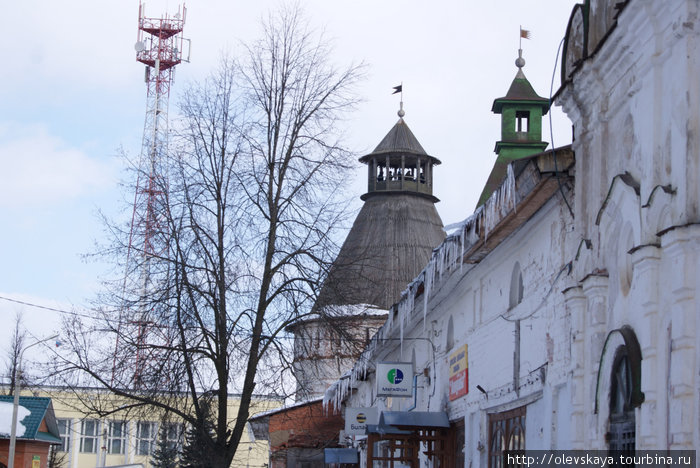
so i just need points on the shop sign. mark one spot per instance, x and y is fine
(459, 373)
(395, 379)
(356, 420)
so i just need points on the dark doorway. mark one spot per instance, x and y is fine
(506, 433)
(622, 435)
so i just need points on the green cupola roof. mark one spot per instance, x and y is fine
(521, 111)
(520, 92)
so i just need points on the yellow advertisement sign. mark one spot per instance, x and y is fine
(459, 373)
(458, 361)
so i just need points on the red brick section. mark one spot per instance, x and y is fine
(24, 452)
(305, 426)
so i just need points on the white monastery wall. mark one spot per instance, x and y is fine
(635, 109)
(476, 300)
(610, 298)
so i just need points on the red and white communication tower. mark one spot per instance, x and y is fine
(159, 46)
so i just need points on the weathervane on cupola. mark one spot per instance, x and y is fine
(520, 61)
(399, 89)
(521, 111)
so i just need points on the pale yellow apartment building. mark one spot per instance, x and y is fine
(125, 439)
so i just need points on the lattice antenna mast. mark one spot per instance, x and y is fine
(159, 46)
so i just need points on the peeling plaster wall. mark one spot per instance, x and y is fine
(323, 352)
(635, 108)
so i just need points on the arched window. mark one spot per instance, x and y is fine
(450, 334)
(516, 286)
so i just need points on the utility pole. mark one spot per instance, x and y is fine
(15, 402)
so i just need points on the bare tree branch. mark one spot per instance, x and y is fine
(248, 209)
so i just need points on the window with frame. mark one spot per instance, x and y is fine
(64, 431)
(516, 286)
(116, 437)
(89, 435)
(506, 433)
(173, 435)
(146, 433)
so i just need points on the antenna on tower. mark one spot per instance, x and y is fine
(159, 46)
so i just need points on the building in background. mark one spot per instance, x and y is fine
(127, 437)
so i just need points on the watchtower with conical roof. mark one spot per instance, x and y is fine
(389, 244)
(399, 164)
(521, 111)
(397, 229)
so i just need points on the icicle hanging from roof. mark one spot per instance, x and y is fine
(500, 202)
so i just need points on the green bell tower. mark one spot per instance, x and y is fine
(521, 111)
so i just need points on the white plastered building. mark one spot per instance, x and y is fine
(574, 287)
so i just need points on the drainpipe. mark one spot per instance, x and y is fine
(415, 393)
(516, 360)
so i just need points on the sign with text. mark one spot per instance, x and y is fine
(356, 420)
(394, 379)
(459, 373)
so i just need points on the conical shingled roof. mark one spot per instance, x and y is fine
(400, 139)
(389, 244)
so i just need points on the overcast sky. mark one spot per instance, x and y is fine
(73, 94)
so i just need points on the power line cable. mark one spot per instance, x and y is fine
(53, 309)
(84, 315)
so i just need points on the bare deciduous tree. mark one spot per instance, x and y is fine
(13, 354)
(246, 207)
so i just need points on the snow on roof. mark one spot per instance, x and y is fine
(6, 419)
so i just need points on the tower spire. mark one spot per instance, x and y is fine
(390, 242)
(521, 111)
